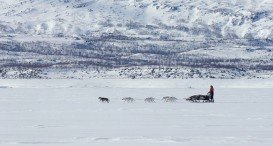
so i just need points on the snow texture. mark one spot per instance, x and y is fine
(67, 112)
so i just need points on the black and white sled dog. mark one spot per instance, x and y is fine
(150, 100)
(104, 99)
(169, 99)
(128, 99)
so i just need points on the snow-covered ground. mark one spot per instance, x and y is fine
(67, 112)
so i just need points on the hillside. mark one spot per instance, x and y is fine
(155, 39)
(210, 18)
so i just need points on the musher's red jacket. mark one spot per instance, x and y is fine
(211, 90)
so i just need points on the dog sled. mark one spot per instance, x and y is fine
(200, 98)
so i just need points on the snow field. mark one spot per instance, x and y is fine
(67, 112)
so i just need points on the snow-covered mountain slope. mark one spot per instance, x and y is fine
(169, 18)
(136, 38)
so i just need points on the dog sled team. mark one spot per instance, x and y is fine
(205, 98)
(195, 98)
